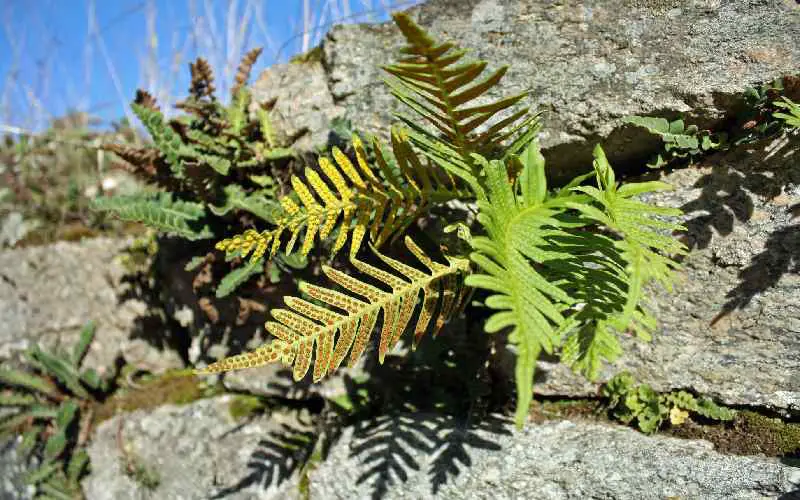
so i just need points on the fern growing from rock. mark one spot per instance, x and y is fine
(563, 270)
(215, 167)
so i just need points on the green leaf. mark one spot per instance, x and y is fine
(61, 369)
(257, 204)
(82, 346)
(55, 445)
(160, 212)
(28, 381)
(77, 465)
(238, 276)
(42, 473)
(194, 263)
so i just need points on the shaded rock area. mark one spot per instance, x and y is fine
(48, 293)
(731, 329)
(196, 451)
(554, 460)
(587, 64)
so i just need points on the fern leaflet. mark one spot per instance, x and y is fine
(304, 325)
(429, 80)
(367, 199)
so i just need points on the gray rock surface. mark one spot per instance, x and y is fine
(48, 293)
(743, 271)
(194, 451)
(12, 470)
(554, 460)
(304, 106)
(587, 63)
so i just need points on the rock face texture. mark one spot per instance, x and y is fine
(587, 64)
(731, 329)
(48, 293)
(194, 451)
(556, 460)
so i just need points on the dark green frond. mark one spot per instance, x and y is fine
(450, 94)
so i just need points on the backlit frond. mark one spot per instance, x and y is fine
(432, 79)
(347, 199)
(557, 279)
(345, 321)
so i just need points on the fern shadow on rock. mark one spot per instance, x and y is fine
(277, 458)
(727, 196)
(425, 411)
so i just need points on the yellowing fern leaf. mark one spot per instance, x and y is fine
(346, 321)
(353, 199)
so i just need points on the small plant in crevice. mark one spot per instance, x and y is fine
(763, 115)
(680, 141)
(766, 111)
(629, 402)
(563, 269)
(50, 405)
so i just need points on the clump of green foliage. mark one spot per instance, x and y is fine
(215, 167)
(50, 407)
(680, 141)
(628, 402)
(562, 270)
(48, 180)
(768, 110)
(764, 114)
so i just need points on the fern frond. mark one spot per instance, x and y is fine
(202, 85)
(344, 323)
(432, 80)
(160, 212)
(364, 200)
(567, 268)
(164, 137)
(243, 71)
(517, 224)
(643, 253)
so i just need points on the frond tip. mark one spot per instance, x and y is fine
(303, 324)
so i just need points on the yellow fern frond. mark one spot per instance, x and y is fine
(355, 199)
(346, 321)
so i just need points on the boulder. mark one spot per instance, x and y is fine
(586, 64)
(414, 456)
(197, 450)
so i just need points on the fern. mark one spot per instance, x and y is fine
(679, 140)
(160, 212)
(791, 118)
(430, 81)
(305, 325)
(564, 270)
(366, 200)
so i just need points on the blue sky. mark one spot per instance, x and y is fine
(54, 58)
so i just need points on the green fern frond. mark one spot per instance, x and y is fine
(367, 199)
(164, 137)
(305, 325)
(517, 223)
(436, 84)
(792, 117)
(158, 211)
